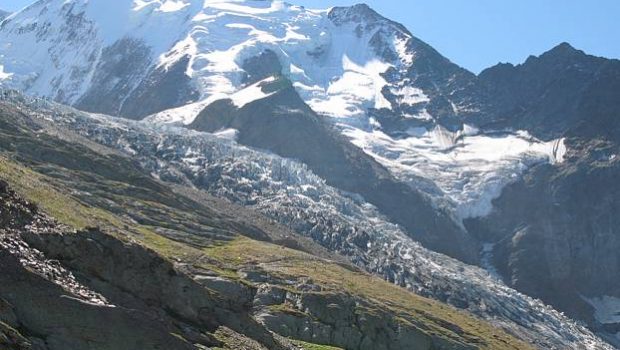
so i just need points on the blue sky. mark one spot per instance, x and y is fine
(480, 33)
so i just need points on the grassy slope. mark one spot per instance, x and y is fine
(226, 257)
(308, 346)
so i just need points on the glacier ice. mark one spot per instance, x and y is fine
(288, 192)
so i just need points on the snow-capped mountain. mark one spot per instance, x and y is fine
(349, 64)
(368, 107)
(337, 58)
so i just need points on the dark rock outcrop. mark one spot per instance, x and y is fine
(116, 73)
(161, 89)
(334, 319)
(43, 306)
(126, 83)
(564, 91)
(557, 230)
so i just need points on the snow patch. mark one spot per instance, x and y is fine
(409, 95)
(172, 6)
(251, 93)
(229, 134)
(184, 115)
(4, 75)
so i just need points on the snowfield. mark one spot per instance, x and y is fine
(468, 168)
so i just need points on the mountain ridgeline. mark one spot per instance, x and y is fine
(347, 140)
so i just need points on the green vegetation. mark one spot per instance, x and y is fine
(228, 256)
(36, 189)
(308, 346)
(431, 316)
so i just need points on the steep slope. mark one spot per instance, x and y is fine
(564, 91)
(555, 230)
(3, 14)
(125, 57)
(282, 123)
(192, 283)
(555, 234)
(287, 192)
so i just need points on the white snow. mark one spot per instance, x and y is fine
(62, 54)
(469, 169)
(336, 69)
(559, 151)
(172, 6)
(184, 114)
(229, 134)
(409, 95)
(289, 193)
(4, 75)
(187, 114)
(251, 93)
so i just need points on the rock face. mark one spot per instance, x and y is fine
(556, 230)
(42, 298)
(564, 91)
(282, 189)
(333, 320)
(146, 302)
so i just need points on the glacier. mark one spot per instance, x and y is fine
(289, 193)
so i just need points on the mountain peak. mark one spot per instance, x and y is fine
(562, 54)
(356, 13)
(564, 49)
